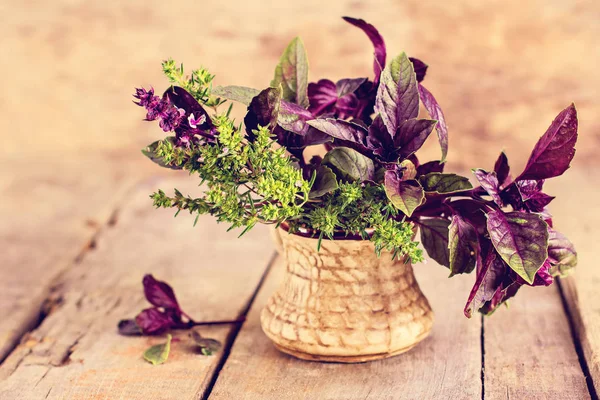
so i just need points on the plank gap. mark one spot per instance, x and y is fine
(577, 343)
(482, 344)
(237, 328)
(52, 298)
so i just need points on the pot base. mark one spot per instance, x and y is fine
(347, 359)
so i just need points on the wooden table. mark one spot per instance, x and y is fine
(78, 231)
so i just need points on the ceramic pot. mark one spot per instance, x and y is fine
(343, 303)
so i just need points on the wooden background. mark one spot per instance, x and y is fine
(77, 230)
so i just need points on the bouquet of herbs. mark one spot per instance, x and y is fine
(369, 184)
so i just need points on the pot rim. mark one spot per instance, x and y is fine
(305, 233)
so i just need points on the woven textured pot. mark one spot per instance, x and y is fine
(343, 303)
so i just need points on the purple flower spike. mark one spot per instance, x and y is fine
(145, 97)
(171, 118)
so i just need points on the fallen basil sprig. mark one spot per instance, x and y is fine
(166, 314)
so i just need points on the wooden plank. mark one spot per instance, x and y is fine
(76, 352)
(529, 350)
(577, 212)
(49, 216)
(445, 365)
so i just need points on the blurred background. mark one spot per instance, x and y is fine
(71, 137)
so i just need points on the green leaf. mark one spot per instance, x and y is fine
(404, 195)
(398, 95)
(325, 182)
(241, 94)
(444, 183)
(434, 238)
(463, 245)
(521, 239)
(349, 164)
(292, 73)
(159, 353)
(207, 346)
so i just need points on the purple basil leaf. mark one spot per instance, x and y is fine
(347, 86)
(434, 238)
(411, 135)
(463, 245)
(526, 195)
(435, 112)
(380, 141)
(322, 97)
(444, 183)
(263, 110)
(504, 292)
(295, 143)
(128, 327)
(502, 169)
(431, 166)
(473, 211)
(349, 165)
(536, 201)
(293, 118)
(406, 196)
(489, 181)
(153, 322)
(491, 270)
(397, 96)
(376, 39)
(347, 134)
(543, 276)
(340, 129)
(521, 239)
(348, 106)
(160, 294)
(554, 151)
(241, 94)
(292, 73)
(420, 68)
(325, 182)
(561, 253)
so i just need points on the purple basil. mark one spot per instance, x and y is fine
(501, 229)
(344, 99)
(160, 294)
(420, 68)
(554, 151)
(502, 169)
(490, 273)
(378, 44)
(463, 244)
(521, 239)
(435, 112)
(152, 321)
(489, 182)
(263, 110)
(397, 96)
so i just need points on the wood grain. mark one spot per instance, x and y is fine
(71, 138)
(50, 214)
(578, 213)
(76, 352)
(445, 365)
(529, 350)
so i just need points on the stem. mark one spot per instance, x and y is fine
(191, 323)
